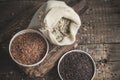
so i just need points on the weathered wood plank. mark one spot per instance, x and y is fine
(115, 70)
(108, 71)
(100, 26)
(111, 52)
(100, 23)
(107, 58)
(20, 21)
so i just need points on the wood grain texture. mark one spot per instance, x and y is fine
(20, 21)
(108, 65)
(101, 23)
(98, 35)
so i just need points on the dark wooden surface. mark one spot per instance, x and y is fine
(99, 36)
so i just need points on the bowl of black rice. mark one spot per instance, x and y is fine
(76, 65)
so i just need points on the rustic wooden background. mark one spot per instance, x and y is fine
(99, 36)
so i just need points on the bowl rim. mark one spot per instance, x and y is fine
(23, 32)
(76, 51)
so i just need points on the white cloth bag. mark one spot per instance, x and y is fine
(50, 14)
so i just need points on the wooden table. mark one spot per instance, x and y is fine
(99, 36)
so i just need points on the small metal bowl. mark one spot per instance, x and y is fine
(23, 32)
(58, 67)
